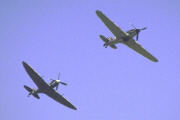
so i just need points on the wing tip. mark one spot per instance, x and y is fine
(98, 12)
(153, 59)
(24, 64)
(72, 106)
(156, 60)
(75, 108)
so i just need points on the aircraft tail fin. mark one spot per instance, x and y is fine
(31, 92)
(106, 42)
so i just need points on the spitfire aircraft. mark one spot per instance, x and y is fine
(123, 37)
(45, 88)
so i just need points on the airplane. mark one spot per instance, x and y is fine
(123, 37)
(45, 88)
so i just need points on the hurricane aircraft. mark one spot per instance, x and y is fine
(45, 88)
(123, 37)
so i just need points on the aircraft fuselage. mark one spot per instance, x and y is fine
(131, 33)
(53, 84)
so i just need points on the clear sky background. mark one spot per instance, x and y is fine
(104, 84)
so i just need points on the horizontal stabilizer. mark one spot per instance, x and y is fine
(31, 90)
(28, 88)
(104, 38)
(113, 46)
(36, 96)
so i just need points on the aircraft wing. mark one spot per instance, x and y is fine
(45, 88)
(59, 98)
(138, 48)
(116, 30)
(35, 77)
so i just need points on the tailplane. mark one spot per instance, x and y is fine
(107, 42)
(32, 92)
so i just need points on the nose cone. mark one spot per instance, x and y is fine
(137, 31)
(58, 81)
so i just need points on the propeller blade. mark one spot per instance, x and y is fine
(52, 80)
(58, 75)
(143, 28)
(57, 87)
(137, 37)
(63, 83)
(132, 25)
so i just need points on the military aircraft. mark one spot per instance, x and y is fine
(45, 88)
(123, 37)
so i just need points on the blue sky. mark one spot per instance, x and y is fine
(104, 84)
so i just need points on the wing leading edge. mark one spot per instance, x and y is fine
(35, 77)
(59, 98)
(131, 43)
(116, 30)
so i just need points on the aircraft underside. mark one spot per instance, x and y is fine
(115, 41)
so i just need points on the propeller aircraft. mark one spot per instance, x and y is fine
(45, 88)
(123, 37)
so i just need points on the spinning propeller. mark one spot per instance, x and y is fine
(137, 30)
(58, 81)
